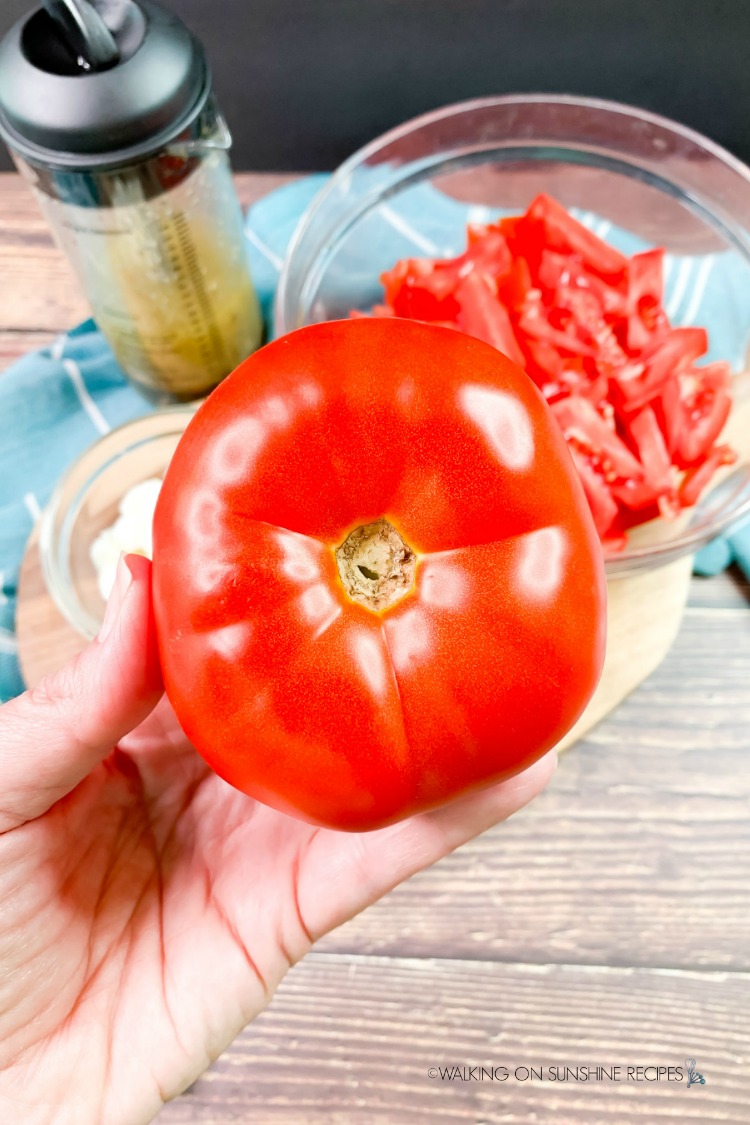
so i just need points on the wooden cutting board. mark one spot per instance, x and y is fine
(643, 616)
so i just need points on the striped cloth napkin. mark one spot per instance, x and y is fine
(56, 401)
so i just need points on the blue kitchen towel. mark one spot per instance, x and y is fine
(58, 400)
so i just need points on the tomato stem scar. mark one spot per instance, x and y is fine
(376, 566)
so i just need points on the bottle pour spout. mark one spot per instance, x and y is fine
(89, 29)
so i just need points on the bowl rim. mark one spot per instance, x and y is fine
(631, 560)
(625, 563)
(361, 155)
(51, 542)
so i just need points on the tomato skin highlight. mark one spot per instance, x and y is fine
(303, 698)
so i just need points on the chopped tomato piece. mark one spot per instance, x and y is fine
(705, 407)
(644, 299)
(535, 321)
(513, 289)
(589, 327)
(582, 423)
(695, 480)
(482, 315)
(510, 227)
(674, 352)
(603, 505)
(635, 494)
(486, 252)
(560, 231)
(651, 448)
(416, 290)
(557, 270)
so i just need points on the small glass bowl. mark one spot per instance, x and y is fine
(657, 182)
(86, 500)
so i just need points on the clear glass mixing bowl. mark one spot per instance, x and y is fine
(654, 181)
(86, 500)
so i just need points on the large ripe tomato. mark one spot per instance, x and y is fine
(479, 634)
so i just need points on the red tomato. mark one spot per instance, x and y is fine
(356, 713)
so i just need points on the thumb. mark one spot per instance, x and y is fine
(52, 736)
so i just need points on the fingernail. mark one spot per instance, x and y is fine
(123, 580)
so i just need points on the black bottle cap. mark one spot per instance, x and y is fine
(96, 85)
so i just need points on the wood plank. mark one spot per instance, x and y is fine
(350, 1041)
(14, 345)
(728, 590)
(252, 186)
(639, 851)
(44, 294)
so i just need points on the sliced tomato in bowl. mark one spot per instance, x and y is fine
(589, 326)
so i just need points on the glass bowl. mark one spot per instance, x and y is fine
(86, 500)
(635, 178)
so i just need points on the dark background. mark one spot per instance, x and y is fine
(305, 82)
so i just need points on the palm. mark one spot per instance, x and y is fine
(157, 909)
(171, 904)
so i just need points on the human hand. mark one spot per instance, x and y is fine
(148, 911)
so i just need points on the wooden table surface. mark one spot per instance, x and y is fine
(608, 924)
